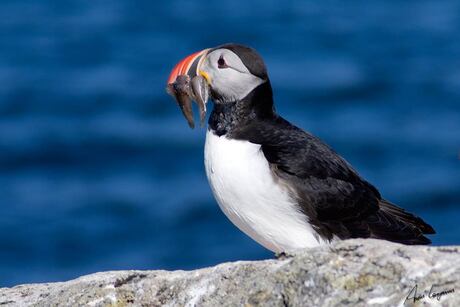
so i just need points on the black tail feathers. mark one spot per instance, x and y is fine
(395, 224)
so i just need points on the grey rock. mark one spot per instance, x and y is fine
(353, 273)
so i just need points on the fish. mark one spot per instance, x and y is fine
(180, 90)
(200, 91)
(184, 90)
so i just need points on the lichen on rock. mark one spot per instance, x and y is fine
(352, 272)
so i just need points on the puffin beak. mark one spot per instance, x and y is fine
(187, 82)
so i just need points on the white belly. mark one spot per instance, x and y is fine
(248, 194)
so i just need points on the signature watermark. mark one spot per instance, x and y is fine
(434, 293)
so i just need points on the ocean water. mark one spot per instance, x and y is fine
(99, 170)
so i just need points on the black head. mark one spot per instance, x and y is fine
(237, 79)
(250, 58)
(232, 71)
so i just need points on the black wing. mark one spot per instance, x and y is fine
(337, 201)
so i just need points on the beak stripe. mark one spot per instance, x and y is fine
(192, 71)
(186, 66)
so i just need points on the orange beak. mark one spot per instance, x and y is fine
(188, 66)
(187, 82)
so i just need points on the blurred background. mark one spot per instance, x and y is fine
(99, 170)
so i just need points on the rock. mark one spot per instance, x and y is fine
(353, 272)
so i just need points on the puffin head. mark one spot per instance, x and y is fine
(226, 74)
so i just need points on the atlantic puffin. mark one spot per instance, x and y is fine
(279, 184)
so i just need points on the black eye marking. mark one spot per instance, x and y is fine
(221, 63)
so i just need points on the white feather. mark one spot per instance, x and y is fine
(231, 83)
(253, 198)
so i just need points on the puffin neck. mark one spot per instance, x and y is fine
(257, 105)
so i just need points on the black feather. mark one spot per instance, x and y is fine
(335, 199)
(250, 58)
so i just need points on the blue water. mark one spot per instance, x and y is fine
(99, 170)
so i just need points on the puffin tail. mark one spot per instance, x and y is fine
(395, 224)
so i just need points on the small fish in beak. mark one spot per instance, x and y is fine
(185, 90)
(185, 84)
(200, 90)
(180, 90)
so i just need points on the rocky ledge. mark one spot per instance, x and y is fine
(353, 272)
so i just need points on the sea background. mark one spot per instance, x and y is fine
(99, 170)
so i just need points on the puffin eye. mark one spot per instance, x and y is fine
(221, 63)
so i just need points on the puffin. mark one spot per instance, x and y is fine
(279, 184)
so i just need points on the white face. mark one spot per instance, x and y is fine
(228, 76)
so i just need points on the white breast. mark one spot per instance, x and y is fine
(250, 196)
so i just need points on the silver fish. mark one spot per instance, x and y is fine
(200, 90)
(184, 90)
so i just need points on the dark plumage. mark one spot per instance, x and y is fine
(298, 181)
(251, 59)
(332, 195)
